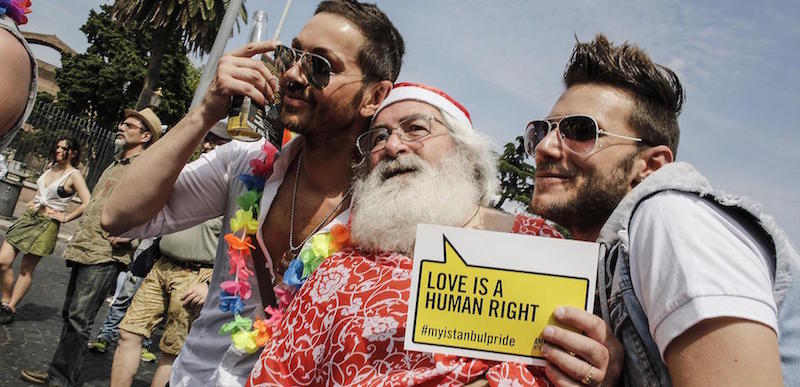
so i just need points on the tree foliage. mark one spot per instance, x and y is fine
(194, 22)
(105, 80)
(515, 174)
(197, 21)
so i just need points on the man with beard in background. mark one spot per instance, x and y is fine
(333, 77)
(423, 163)
(95, 256)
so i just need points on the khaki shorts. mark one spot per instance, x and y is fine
(160, 294)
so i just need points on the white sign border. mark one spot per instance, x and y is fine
(479, 249)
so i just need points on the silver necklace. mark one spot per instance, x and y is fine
(294, 250)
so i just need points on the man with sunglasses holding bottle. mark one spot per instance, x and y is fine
(334, 76)
(699, 285)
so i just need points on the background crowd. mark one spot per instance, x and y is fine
(711, 287)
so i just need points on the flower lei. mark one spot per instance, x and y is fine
(248, 335)
(16, 9)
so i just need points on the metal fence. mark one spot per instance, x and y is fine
(30, 153)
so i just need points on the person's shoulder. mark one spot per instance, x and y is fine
(671, 199)
(672, 208)
(235, 152)
(535, 225)
(237, 146)
(493, 220)
(74, 174)
(690, 220)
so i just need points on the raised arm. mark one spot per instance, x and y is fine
(154, 172)
(15, 79)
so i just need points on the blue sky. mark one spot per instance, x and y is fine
(504, 59)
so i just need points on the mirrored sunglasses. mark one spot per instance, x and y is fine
(316, 68)
(579, 133)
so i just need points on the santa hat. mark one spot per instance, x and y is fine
(408, 91)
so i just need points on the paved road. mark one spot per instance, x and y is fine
(29, 342)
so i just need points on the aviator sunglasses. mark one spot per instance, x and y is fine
(316, 68)
(578, 132)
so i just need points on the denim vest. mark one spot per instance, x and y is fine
(622, 311)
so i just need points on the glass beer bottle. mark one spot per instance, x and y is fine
(247, 120)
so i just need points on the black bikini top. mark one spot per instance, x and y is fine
(62, 193)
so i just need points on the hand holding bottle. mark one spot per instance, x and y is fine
(239, 74)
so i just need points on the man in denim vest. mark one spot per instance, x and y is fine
(696, 283)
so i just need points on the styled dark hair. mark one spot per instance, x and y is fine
(72, 145)
(382, 55)
(657, 91)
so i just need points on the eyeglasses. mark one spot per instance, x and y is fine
(578, 132)
(316, 68)
(129, 126)
(410, 129)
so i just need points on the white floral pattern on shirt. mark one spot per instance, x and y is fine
(347, 324)
(379, 328)
(330, 281)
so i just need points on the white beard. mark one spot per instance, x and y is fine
(119, 145)
(386, 212)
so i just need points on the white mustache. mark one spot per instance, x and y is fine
(388, 168)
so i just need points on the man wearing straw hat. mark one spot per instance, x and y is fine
(174, 290)
(94, 256)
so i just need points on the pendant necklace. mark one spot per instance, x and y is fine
(293, 250)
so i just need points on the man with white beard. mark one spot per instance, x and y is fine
(423, 163)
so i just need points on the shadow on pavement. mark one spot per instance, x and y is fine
(35, 312)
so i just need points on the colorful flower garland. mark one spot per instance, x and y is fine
(16, 9)
(248, 335)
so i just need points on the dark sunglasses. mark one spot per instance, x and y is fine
(316, 68)
(578, 132)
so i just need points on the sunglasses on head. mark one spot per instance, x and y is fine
(578, 132)
(316, 68)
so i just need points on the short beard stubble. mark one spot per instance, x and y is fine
(594, 201)
(324, 118)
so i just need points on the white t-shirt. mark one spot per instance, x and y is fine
(690, 261)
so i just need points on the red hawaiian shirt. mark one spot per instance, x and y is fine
(346, 326)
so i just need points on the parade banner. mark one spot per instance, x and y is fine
(489, 295)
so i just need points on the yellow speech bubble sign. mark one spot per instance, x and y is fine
(489, 309)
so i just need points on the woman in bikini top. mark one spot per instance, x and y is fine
(36, 231)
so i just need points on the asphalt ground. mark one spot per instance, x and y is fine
(29, 341)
